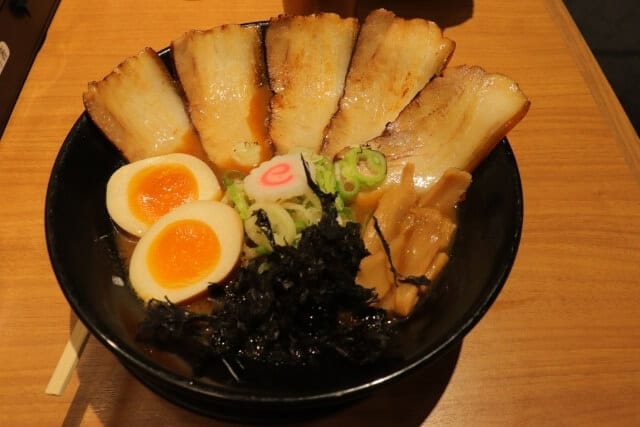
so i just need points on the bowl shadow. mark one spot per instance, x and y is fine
(109, 391)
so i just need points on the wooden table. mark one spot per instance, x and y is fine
(560, 346)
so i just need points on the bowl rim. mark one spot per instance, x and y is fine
(193, 385)
(150, 368)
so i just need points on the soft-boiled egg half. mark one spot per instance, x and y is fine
(192, 246)
(141, 192)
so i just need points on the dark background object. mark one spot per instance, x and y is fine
(611, 29)
(23, 27)
(444, 13)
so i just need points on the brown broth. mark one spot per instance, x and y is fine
(125, 243)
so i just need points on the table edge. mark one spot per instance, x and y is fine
(599, 86)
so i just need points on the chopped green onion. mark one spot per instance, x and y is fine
(247, 153)
(263, 250)
(346, 214)
(233, 183)
(364, 165)
(324, 175)
(300, 225)
(232, 177)
(348, 184)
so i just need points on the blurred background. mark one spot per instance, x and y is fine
(612, 31)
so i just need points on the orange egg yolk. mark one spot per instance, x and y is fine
(156, 190)
(182, 253)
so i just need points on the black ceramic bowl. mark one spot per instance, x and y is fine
(82, 248)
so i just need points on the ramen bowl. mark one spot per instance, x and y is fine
(83, 248)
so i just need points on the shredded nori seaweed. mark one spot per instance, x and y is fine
(295, 306)
(414, 280)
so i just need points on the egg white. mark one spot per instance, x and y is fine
(223, 220)
(118, 187)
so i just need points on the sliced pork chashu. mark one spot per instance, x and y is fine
(223, 74)
(455, 121)
(308, 58)
(139, 109)
(394, 58)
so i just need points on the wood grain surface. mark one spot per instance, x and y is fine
(560, 346)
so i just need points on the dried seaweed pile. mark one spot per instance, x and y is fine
(294, 306)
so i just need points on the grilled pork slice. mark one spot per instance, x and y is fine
(139, 109)
(223, 74)
(394, 58)
(455, 121)
(308, 58)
